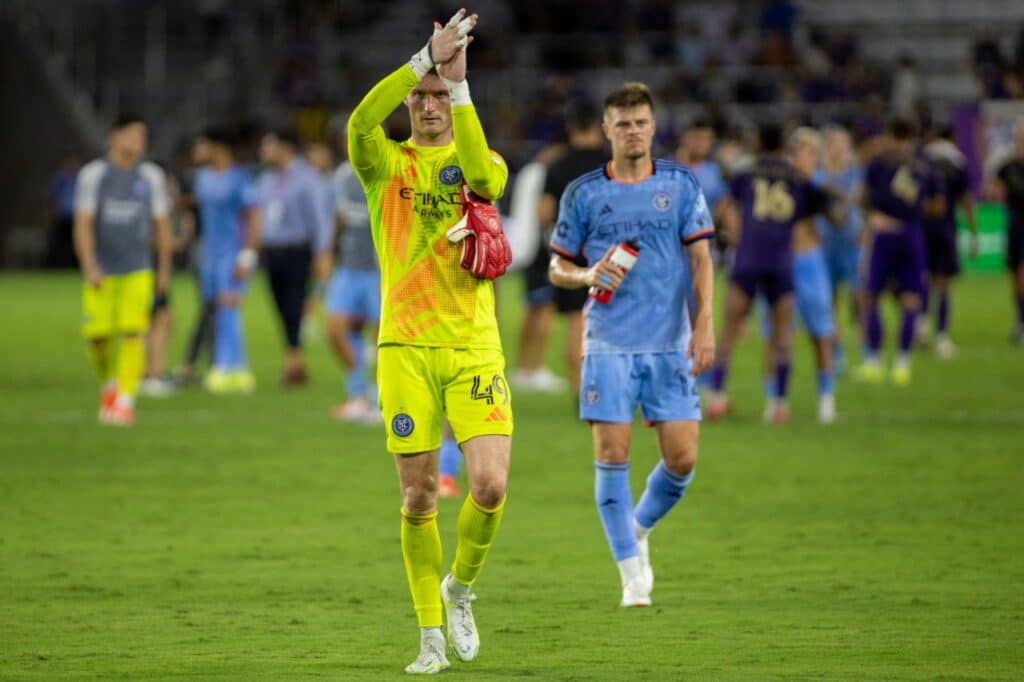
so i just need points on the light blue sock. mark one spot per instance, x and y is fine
(224, 339)
(615, 506)
(241, 361)
(451, 458)
(770, 391)
(663, 490)
(826, 382)
(357, 377)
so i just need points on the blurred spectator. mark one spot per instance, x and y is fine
(905, 96)
(988, 63)
(60, 252)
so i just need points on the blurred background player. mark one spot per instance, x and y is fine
(321, 158)
(941, 255)
(60, 205)
(840, 173)
(900, 191)
(639, 348)
(228, 202)
(531, 373)
(766, 204)
(352, 302)
(1009, 187)
(201, 337)
(157, 382)
(439, 352)
(121, 211)
(587, 152)
(812, 292)
(695, 151)
(296, 239)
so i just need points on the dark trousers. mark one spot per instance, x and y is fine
(288, 273)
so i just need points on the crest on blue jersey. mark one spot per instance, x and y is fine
(402, 425)
(591, 395)
(450, 175)
(661, 201)
(140, 187)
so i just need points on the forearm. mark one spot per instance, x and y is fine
(164, 250)
(254, 235)
(484, 172)
(703, 277)
(972, 217)
(566, 274)
(322, 266)
(365, 135)
(85, 242)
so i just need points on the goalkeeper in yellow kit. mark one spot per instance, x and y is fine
(439, 351)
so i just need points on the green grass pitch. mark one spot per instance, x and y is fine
(251, 538)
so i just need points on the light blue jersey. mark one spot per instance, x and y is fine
(841, 243)
(709, 177)
(664, 212)
(223, 198)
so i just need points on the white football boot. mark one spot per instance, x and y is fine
(826, 409)
(463, 638)
(431, 660)
(636, 590)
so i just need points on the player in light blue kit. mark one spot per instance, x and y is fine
(840, 172)
(638, 347)
(353, 296)
(227, 198)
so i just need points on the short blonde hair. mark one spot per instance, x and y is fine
(631, 94)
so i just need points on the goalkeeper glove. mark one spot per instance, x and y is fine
(485, 250)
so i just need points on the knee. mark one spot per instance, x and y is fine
(681, 460)
(489, 491)
(612, 453)
(420, 497)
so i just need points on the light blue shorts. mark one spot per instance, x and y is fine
(842, 258)
(613, 385)
(813, 293)
(217, 276)
(354, 293)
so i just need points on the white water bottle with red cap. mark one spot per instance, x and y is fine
(624, 258)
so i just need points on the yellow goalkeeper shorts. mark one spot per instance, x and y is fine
(120, 305)
(420, 386)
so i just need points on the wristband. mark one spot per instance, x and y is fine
(421, 62)
(247, 258)
(458, 91)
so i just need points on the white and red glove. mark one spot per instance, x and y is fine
(485, 250)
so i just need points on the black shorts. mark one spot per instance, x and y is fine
(538, 287)
(1015, 247)
(569, 300)
(160, 301)
(941, 252)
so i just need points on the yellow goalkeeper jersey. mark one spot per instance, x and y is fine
(412, 191)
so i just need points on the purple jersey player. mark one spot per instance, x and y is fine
(901, 190)
(950, 169)
(1010, 187)
(770, 199)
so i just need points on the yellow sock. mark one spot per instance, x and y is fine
(99, 355)
(421, 550)
(131, 357)
(476, 527)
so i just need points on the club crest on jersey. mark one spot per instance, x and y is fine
(661, 201)
(591, 395)
(140, 187)
(402, 425)
(450, 175)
